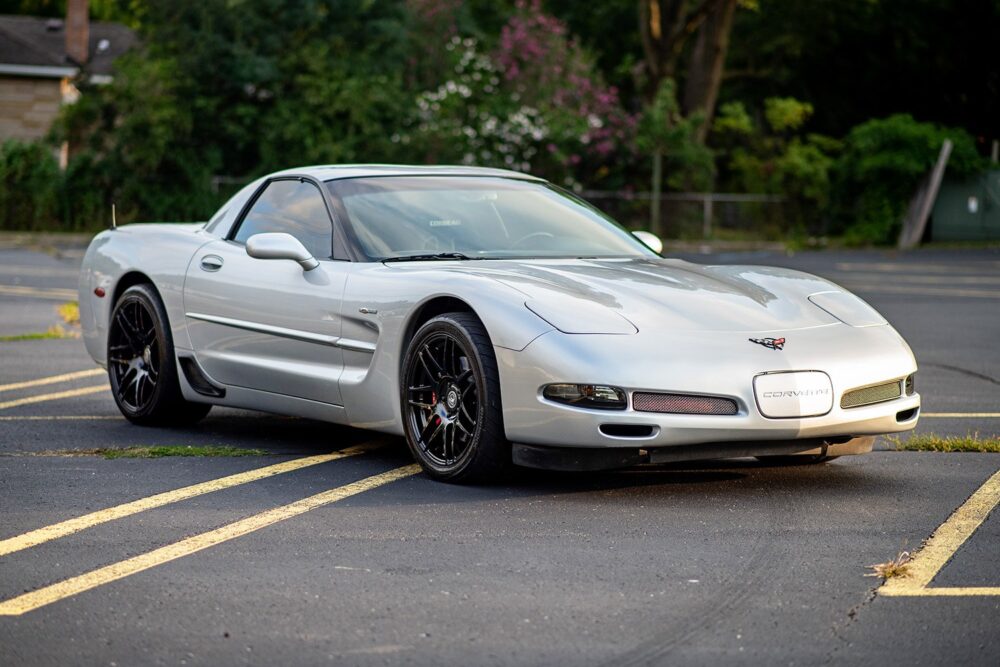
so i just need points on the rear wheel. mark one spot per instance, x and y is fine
(450, 394)
(141, 363)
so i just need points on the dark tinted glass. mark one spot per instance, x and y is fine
(295, 208)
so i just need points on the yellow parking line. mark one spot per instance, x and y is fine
(52, 379)
(961, 415)
(943, 544)
(39, 292)
(41, 398)
(85, 582)
(70, 526)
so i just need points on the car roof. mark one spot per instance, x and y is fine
(333, 172)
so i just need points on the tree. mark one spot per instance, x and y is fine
(670, 138)
(667, 27)
(708, 58)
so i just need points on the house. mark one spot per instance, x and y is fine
(41, 58)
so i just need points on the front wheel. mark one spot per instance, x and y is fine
(141, 364)
(450, 400)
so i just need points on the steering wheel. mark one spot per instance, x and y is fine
(540, 235)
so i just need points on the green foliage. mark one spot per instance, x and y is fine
(134, 146)
(29, 186)
(689, 164)
(534, 103)
(234, 91)
(785, 114)
(775, 158)
(733, 119)
(881, 167)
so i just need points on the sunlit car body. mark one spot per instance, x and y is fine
(606, 353)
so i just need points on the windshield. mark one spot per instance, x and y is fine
(475, 217)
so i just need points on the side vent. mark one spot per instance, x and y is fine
(627, 430)
(196, 378)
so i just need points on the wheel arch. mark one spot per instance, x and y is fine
(428, 310)
(131, 279)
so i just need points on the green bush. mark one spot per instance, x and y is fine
(29, 186)
(881, 167)
(775, 157)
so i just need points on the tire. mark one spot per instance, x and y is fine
(141, 363)
(793, 460)
(450, 401)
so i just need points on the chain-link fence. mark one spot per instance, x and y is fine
(698, 215)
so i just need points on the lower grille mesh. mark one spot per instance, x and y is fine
(869, 395)
(684, 404)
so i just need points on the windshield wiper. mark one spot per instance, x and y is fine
(428, 257)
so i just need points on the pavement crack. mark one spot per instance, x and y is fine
(964, 371)
(839, 630)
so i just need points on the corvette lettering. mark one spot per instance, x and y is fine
(771, 343)
(793, 393)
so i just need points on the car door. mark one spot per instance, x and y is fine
(268, 324)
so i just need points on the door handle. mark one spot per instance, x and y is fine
(211, 263)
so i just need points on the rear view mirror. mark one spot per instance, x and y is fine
(651, 241)
(278, 245)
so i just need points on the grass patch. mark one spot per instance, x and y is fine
(53, 332)
(161, 451)
(70, 312)
(897, 567)
(933, 443)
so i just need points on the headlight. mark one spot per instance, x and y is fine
(595, 396)
(910, 384)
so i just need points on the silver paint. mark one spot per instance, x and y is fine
(328, 343)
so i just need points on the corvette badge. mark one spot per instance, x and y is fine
(772, 343)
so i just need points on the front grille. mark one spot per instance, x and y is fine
(869, 395)
(684, 404)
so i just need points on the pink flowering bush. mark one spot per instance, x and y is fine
(534, 103)
(589, 130)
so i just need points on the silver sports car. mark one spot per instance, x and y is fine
(489, 317)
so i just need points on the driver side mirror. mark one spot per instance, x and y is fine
(651, 241)
(278, 245)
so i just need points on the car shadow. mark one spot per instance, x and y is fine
(303, 437)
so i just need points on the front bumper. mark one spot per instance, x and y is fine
(713, 363)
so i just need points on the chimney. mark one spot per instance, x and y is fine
(77, 31)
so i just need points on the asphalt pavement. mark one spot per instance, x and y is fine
(302, 557)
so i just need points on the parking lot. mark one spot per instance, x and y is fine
(330, 547)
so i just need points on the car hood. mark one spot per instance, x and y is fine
(661, 294)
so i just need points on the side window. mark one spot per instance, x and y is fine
(293, 207)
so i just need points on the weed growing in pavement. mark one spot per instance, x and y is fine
(897, 567)
(70, 312)
(52, 332)
(160, 451)
(928, 442)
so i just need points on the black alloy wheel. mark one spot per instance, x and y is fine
(133, 355)
(451, 401)
(141, 364)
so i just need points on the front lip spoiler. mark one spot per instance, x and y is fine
(581, 459)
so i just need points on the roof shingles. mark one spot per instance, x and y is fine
(35, 41)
